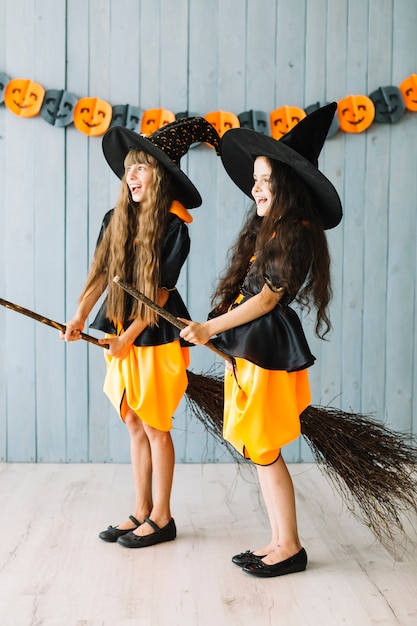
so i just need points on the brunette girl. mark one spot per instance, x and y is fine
(281, 256)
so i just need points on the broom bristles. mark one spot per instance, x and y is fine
(371, 466)
(368, 463)
(204, 397)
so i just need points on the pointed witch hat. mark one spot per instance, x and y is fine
(300, 149)
(168, 144)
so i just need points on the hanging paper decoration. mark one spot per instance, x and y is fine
(58, 107)
(255, 120)
(92, 116)
(23, 97)
(125, 115)
(184, 114)
(356, 113)
(4, 79)
(409, 91)
(334, 126)
(285, 118)
(154, 119)
(389, 104)
(222, 121)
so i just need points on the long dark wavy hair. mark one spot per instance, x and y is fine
(131, 245)
(290, 248)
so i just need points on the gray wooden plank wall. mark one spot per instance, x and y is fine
(200, 56)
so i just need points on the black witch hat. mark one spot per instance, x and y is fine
(300, 149)
(168, 144)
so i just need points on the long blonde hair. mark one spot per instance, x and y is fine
(131, 244)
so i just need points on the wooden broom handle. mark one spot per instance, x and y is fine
(164, 313)
(47, 321)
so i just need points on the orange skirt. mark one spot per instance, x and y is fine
(264, 413)
(150, 380)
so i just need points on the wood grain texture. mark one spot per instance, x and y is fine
(54, 570)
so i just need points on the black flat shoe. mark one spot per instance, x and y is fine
(296, 563)
(245, 557)
(167, 533)
(113, 533)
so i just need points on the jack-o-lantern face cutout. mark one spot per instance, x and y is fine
(126, 116)
(222, 121)
(334, 126)
(284, 119)
(92, 116)
(409, 91)
(24, 97)
(255, 120)
(58, 107)
(154, 119)
(4, 79)
(389, 104)
(356, 113)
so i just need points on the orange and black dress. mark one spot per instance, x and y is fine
(269, 389)
(152, 378)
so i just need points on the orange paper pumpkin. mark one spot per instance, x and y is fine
(92, 116)
(285, 118)
(409, 91)
(355, 113)
(154, 119)
(222, 121)
(24, 97)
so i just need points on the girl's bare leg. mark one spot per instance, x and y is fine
(140, 454)
(267, 496)
(278, 490)
(163, 460)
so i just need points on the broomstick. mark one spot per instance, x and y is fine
(371, 466)
(47, 321)
(164, 313)
(204, 393)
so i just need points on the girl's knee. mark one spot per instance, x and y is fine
(161, 436)
(134, 424)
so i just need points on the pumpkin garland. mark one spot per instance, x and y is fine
(94, 116)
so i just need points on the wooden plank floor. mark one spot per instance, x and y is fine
(54, 571)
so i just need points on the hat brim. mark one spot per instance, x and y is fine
(239, 149)
(118, 141)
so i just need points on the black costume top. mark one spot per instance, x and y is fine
(274, 341)
(175, 249)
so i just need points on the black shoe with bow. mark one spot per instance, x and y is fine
(113, 533)
(245, 557)
(296, 563)
(167, 533)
